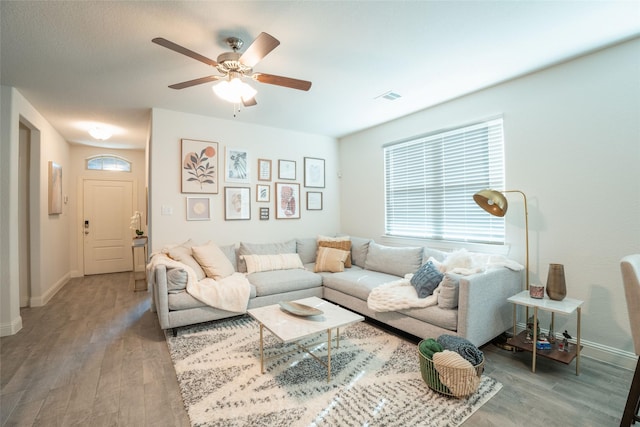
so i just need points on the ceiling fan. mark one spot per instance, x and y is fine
(234, 67)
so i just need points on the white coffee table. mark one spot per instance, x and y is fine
(289, 328)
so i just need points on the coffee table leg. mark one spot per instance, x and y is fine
(261, 350)
(329, 355)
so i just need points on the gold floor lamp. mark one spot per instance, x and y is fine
(495, 202)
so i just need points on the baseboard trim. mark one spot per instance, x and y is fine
(7, 329)
(46, 297)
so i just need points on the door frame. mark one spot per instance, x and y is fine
(80, 209)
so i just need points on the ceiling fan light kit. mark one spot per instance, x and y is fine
(234, 67)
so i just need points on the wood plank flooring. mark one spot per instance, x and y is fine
(95, 356)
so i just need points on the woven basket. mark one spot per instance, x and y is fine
(431, 376)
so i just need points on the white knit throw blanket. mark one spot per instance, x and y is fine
(401, 294)
(398, 295)
(230, 294)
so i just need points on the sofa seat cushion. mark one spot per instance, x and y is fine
(184, 301)
(279, 281)
(434, 315)
(356, 281)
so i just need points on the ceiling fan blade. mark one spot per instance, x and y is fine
(183, 50)
(249, 102)
(261, 46)
(282, 81)
(195, 82)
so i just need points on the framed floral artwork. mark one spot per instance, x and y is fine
(286, 169)
(287, 200)
(313, 172)
(236, 165)
(199, 167)
(314, 201)
(237, 203)
(198, 209)
(263, 193)
(264, 170)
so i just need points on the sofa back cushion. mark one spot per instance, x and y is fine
(288, 247)
(307, 248)
(359, 249)
(393, 260)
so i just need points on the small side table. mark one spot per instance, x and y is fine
(566, 307)
(139, 243)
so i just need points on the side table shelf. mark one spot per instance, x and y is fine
(138, 276)
(566, 357)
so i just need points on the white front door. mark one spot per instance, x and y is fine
(107, 237)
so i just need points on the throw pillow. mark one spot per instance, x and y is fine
(182, 253)
(288, 247)
(342, 243)
(448, 295)
(213, 261)
(330, 260)
(258, 263)
(393, 260)
(426, 279)
(307, 248)
(177, 280)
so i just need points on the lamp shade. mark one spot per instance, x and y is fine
(234, 90)
(492, 201)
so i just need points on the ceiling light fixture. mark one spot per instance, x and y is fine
(234, 90)
(100, 133)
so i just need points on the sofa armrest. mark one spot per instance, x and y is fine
(161, 295)
(483, 309)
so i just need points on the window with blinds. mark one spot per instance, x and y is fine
(430, 181)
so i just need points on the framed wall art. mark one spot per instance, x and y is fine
(314, 201)
(286, 169)
(199, 166)
(237, 203)
(264, 170)
(55, 188)
(198, 209)
(263, 193)
(287, 200)
(236, 165)
(313, 172)
(264, 214)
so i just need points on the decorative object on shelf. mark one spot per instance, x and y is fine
(198, 209)
(495, 202)
(237, 203)
(287, 169)
(556, 285)
(136, 224)
(55, 188)
(199, 167)
(530, 328)
(287, 200)
(551, 335)
(313, 172)
(536, 291)
(565, 341)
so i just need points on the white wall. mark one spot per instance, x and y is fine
(572, 144)
(50, 256)
(169, 127)
(78, 173)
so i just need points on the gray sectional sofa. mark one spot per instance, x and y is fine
(474, 306)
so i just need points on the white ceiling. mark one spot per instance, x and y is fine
(93, 61)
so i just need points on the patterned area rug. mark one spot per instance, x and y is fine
(375, 380)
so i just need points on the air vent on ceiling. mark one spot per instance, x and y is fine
(389, 95)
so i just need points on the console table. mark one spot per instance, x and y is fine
(139, 243)
(566, 307)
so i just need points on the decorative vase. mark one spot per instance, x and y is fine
(556, 285)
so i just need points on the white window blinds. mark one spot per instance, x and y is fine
(430, 182)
